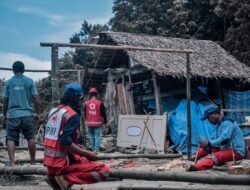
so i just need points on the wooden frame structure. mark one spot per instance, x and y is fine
(55, 70)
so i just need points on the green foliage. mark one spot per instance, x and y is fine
(237, 39)
(224, 21)
(86, 35)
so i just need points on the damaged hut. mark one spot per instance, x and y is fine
(135, 82)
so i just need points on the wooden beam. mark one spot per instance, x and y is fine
(130, 156)
(124, 47)
(26, 70)
(96, 71)
(157, 94)
(194, 177)
(188, 88)
(20, 148)
(54, 75)
(132, 102)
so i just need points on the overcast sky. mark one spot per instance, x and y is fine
(26, 23)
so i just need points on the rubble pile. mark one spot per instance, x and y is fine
(176, 164)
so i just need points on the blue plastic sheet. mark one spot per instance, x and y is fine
(201, 130)
(238, 100)
(178, 126)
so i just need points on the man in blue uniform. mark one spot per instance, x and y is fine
(227, 145)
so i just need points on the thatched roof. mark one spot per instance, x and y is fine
(209, 60)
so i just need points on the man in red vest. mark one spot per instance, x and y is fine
(67, 163)
(95, 118)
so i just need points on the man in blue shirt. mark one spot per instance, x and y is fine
(18, 93)
(227, 145)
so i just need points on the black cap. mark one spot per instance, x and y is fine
(18, 67)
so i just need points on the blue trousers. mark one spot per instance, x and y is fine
(95, 138)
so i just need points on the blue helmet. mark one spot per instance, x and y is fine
(208, 110)
(73, 89)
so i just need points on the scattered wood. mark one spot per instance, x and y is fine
(110, 150)
(176, 164)
(239, 170)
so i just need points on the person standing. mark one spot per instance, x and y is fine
(227, 145)
(67, 162)
(18, 94)
(95, 117)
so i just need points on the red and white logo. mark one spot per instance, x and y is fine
(92, 106)
(54, 119)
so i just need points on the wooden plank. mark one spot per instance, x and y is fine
(73, 45)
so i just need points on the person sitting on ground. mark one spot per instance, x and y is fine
(67, 163)
(227, 145)
(18, 94)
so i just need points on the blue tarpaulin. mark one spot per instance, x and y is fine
(238, 100)
(201, 130)
(177, 126)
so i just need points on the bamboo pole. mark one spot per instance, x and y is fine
(124, 47)
(188, 88)
(128, 156)
(26, 70)
(167, 187)
(23, 160)
(23, 170)
(122, 156)
(20, 148)
(195, 177)
(54, 74)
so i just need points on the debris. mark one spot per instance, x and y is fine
(239, 170)
(108, 142)
(176, 164)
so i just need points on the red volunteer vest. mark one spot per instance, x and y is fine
(93, 113)
(56, 155)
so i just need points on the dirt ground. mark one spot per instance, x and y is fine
(37, 182)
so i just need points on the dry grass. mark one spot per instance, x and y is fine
(209, 60)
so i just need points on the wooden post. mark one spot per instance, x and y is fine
(82, 124)
(220, 93)
(113, 104)
(124, 94)
(131, 92)
(157, 95)
(189, 135)
(54, 75)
